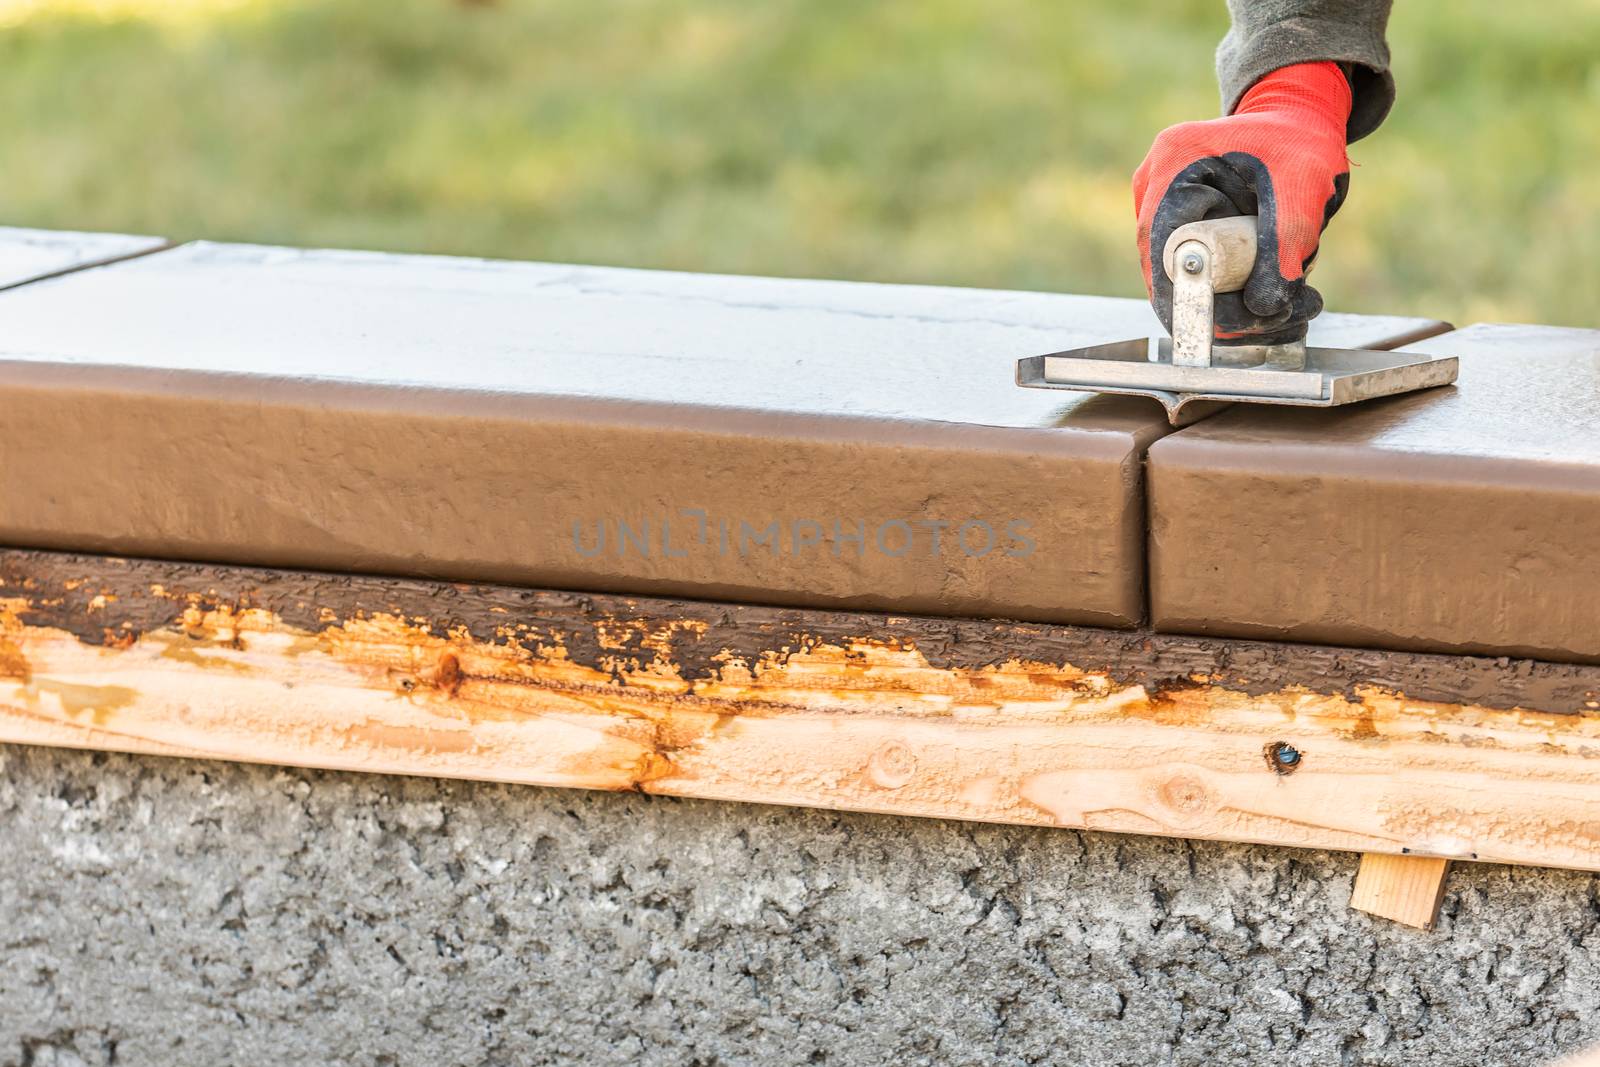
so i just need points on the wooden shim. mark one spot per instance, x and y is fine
(1407, 889)
(999, 722)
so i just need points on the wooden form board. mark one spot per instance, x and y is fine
(768, 440)
(1452, 757)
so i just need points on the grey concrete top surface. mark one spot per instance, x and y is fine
(504, 421)
(703, 340)
(27, 255)
(1460, 519)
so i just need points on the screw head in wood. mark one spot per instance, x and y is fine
(1283, 757)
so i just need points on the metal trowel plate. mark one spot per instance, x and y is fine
(1144, 367)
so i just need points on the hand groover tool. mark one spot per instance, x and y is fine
(1192, 378)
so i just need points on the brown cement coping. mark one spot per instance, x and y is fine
(28, 255)
(1465, 519)
(804, 442)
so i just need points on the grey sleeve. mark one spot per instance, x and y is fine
(1268, 34)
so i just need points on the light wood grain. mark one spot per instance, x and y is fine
(1052, 726)
(1589, 1057)
(1407, 889)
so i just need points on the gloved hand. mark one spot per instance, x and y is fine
(1281, 156)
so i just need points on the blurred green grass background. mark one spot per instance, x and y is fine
(905, 140)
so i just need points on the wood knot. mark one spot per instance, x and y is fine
(1186, 796)
(892, 766)
(13, 664)
(445, 675)
(651, 767)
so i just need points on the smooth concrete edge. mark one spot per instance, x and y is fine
(1182, 452)
(1103, 574)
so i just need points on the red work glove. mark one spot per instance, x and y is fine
(1281, 156)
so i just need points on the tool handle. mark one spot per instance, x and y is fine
(1230, 243)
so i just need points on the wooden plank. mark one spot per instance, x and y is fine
(1000, 722)
(1455, 520)
(1407, 889)
(31, 255)
(770, 440)
(1589, 1057)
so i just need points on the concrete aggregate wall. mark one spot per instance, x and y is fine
(162, 912)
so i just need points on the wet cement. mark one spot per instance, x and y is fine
(1464, 519)
(786, 442)
(163, 911)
